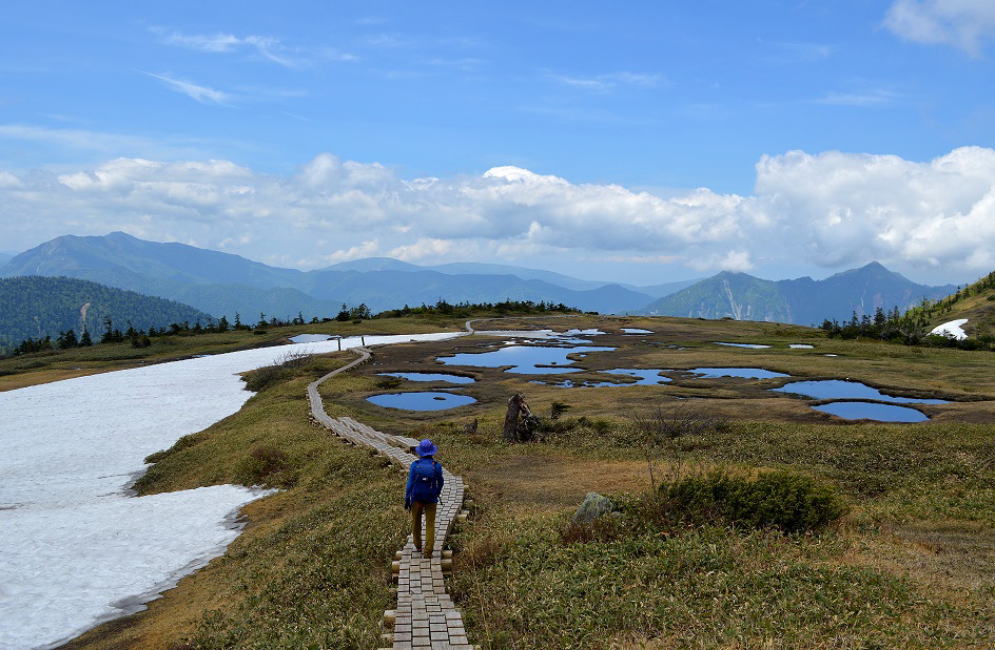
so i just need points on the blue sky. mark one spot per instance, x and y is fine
(657, 97)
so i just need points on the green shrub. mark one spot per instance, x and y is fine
(386, 383)
(262, 378)
(791, 502)
(261, 465)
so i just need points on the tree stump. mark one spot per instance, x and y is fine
(519, 423)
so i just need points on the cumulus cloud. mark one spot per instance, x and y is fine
(966, 24)
(832, 209)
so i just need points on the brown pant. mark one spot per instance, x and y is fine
(417, 507)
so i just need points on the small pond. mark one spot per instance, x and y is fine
(524, 360)
(427, 401)
(751, 346)
(430, 376)
(869, 411)
(744, 373)
(634, 330)
(643, 376)
(311, 338)
(840, 389)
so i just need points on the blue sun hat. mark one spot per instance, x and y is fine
(426, 448)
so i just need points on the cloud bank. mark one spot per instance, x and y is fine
(965, 24)
(830, 209)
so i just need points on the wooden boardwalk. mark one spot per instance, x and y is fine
(425, 616)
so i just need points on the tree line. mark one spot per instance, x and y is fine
(143, 338)
(914, 326)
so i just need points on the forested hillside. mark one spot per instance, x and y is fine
(975, 302)
(35, 307)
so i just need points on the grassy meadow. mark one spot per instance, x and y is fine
(911, 563)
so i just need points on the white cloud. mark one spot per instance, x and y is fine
(203, 42)
(831, 209)
(435, 250)
(874, 97)
(199, 93)
(733, 260)
(604, 83)
(965, 24)
(267, 48)
(358, 252)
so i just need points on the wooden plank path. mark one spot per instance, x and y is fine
(425, 616)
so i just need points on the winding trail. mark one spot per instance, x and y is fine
(425, 616)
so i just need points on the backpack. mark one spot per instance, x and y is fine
(424, 486)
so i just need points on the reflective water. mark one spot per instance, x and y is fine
(752, 346)
(427, 401)
(310, 338)
(634, 330)
(745, 373)
(524, 360)
(646, 377)
(869, 411)
(643, 377)
(430, 376)
(840, 389)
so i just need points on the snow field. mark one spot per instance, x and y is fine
(77, 549)
(952, 328)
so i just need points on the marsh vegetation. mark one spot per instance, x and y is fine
(745, 518)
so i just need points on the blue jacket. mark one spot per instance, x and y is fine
(424, 492)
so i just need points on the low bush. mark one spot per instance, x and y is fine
(262, 378)
(793, 503)
(261, 465)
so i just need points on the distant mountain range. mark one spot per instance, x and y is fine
(803, 300)
(223, 284)
(33, 307)
(6, 257)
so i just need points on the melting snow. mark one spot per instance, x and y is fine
(77, 549)
(952, 328)
(311, 338)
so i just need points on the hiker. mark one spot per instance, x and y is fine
(422, 493)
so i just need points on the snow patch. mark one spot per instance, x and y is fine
(78, 549)
(953, 329)
(311, 338)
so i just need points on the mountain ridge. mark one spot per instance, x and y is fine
(220, 283)
(801, 301)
